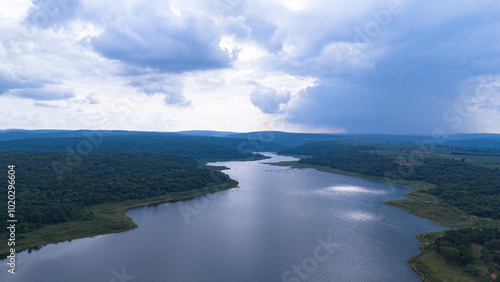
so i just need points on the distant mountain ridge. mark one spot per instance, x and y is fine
(288, 139)
(475, 140)
(261, 140)
(197, 147)
(209, 133)
(17, 134)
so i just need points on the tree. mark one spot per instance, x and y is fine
(450, 254)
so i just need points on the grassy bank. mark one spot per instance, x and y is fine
(108, 218)
(429, 265)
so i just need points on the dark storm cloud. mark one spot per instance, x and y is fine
(171, 44)
(419, 61)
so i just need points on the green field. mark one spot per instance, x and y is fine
(490, 159)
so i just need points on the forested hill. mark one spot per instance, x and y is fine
(17, 134)
(289, 139)
(52, 187)
(261, 140)
(184, 146)
(320, 148)
(205, 137)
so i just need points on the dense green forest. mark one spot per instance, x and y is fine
(289, 139)
(179, 145)
(467, 178)
(263, 140)
(476, 143)
(472, 188)
(56, 187)
(455, 246)
(321, 148)
(249, 145)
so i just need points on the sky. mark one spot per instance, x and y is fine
(392, 66)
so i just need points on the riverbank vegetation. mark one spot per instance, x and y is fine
(456, 187)
(78, 184)
(107, 219)
(59, 198)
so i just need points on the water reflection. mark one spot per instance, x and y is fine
(255, 233)
(352, 189)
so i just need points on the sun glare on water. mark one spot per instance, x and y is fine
(352, 189)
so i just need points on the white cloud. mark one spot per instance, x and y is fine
(269, 99)
(152, 84)
(52, 13)
(157, 38)
(49, 105)
(193, 64)
(478, 108)
(92, 98)
(46, 93)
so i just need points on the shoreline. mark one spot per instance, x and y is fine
(109, 219)
(425, 206)
(415, 203)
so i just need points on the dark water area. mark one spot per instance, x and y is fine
(282, 224)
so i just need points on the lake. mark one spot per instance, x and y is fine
(281, 224)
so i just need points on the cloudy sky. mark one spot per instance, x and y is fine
(234, 65)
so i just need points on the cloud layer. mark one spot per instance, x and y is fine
(385, 66)
(168, 41)
(269, 100)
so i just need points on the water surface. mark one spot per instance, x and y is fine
(282, 224)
